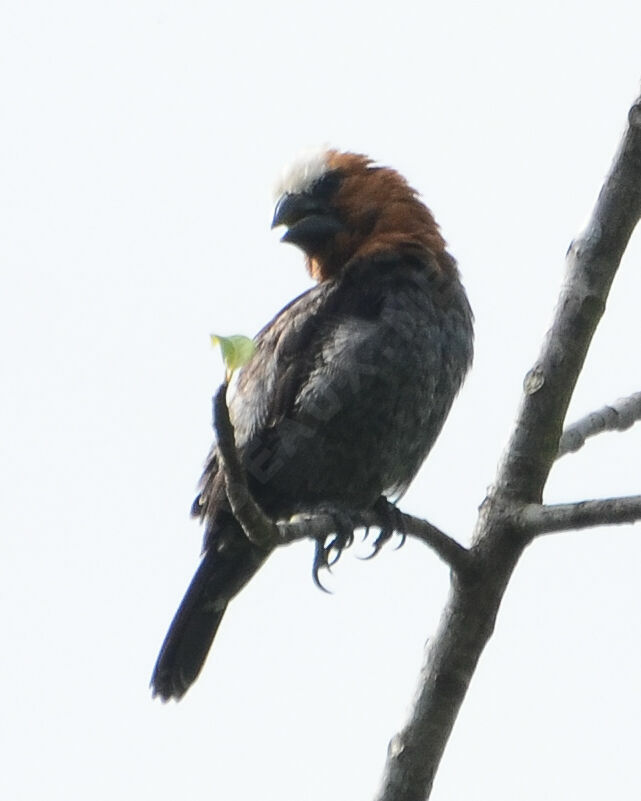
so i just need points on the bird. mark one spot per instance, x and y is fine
(348, 386)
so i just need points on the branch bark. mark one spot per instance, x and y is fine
(619, 416)
(258, 528)
(319, 526)
(469, 617)
(537, 519)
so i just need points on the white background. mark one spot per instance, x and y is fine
(139, 143)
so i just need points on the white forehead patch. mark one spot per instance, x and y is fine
(302, 173)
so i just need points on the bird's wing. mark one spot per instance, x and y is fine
(268, 384)
(344, 376)
(339, 377)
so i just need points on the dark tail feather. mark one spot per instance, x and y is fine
(228, 564)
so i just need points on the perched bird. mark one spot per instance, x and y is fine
(349, 384)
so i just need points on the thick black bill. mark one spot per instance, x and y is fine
(310, 221)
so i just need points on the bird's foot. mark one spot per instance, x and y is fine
(392, 520)
(330, 548)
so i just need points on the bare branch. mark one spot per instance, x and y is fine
(538, 519)
(592, 261)
(259, 529)
(319, 526)
(468, 619)
(449, 550)
(619, 416)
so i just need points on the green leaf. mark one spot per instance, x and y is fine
(237, 350)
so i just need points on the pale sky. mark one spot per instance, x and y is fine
(140, 144)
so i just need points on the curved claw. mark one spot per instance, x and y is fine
(328, 551)
(402, 542)
(384, 535)
(392, 522)
(318, 563)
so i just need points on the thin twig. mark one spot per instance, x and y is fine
(445, 547)
(538, 519)
(259, 529)
(319, 526)
(619, 416)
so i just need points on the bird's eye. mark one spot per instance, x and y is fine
(326, 186)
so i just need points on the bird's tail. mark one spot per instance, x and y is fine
(226, 566)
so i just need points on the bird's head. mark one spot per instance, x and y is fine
(338, 206)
